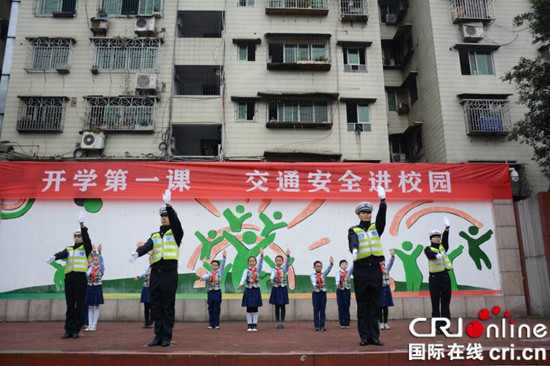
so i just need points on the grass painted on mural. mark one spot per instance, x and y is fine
(128, 288)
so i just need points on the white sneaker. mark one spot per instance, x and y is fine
(209, 327)
(387, 326)
(88, 328)
(381, 326)
(92, 329)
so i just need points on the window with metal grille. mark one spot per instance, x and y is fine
(41, 114)
(246, 2)
(131, 7)
(120, 113)
(126, 54)
(197, 80)
(49, 54)
(298, 4)
(55, 7)
(354, 59)
(353, 7)
(200, 24)
(293, 53)
(302, 111)
(476, 62)
(358, 116)
(486, 116)
(246, 111)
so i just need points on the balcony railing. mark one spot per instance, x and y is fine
(123, 8)
(297, 7)
(120, 113)
(41, 114)
(298, 51)
(301, 113)
(487, 116)
(354, 10)
(464, 11)
(49, 55)
(123, 54)
(55, 8)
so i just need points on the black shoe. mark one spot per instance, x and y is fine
(317, 329)
(67, 335)
(75, 335)
(324, 329)
(165, 344)
(156, 342)
(375, 341)
(363, 342)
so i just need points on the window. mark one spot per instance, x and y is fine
(358, 114)
(487, 116)
(476, 62)
(200, 24)
(299, 111)
(49, 54)
(126, 53)
(120, 113)
(247, 52)
(131, 7)
(58, 8)
(246, 111)
(292, 53)
(246, 2)
(41, 114)
(354, 59)
(353, 7)
(392, 101)
(197, 80)
(413, 91)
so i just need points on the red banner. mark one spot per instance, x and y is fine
(337, 181)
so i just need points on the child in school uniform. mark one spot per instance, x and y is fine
(252, 297)
(386, 298)
(146, 295)
(319, 294)
(279, 291)
(214, 295)
(94, 293)
(343, 294)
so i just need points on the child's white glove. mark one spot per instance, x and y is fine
(51, 259)
(381, 193)
(80, 217)
(167, 196)
(446, 221)
(133, 257)
(354, 253)
(439, 256)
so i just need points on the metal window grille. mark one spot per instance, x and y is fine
(303, 49)
(197, 80)
(120, 113)
(353, 7)
(487, 116)
(41, 114)
(468, 10)
(131, 7)
(49, 7)
(298, 4)
(49, 54)
(299, 111)
(121, 54)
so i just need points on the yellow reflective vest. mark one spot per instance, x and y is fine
(164, 247)
(439, 265)
(76, 260)
(369, 242)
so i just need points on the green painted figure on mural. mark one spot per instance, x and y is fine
(452, 256)
(58, 276)
(413, 275)
(206, 245)
(474, 245)
(236, 223)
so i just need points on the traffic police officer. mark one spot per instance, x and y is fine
(366, 247)
(75, 277)
(439, 266)
(164, 271)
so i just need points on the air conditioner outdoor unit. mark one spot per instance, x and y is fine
(391, 19)
(146, 82)
(389, 62)
(398, 157)
(92, 140)
(472, 32)
(358, 127)
(145, 26)
(402, 107)
(99, 26)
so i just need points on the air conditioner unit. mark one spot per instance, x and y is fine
(99, 26)
(398, 158)
(391, 19)
(389, 62)
(402, 107)
(145, 26)
(146, 82)
(358, 127)
(92, 140)
(472, 32)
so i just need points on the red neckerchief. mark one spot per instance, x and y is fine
(213, 278)
(278, 274)
(94, 270)
(319, 278)
(343, 276)
(254, 277)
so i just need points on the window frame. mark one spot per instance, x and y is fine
(356, 116)
(248, 104)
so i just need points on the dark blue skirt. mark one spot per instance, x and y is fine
(145, 295)
(94, 295)
(385, 297)
(252, 297)
(279, 296)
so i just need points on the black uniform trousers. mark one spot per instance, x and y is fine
(368, 284)
(163, 288)
(440, 293)
(75, 292)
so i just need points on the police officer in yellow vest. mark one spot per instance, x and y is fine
(366, 248)
(75, 277)
(164, 271)
(439, 266)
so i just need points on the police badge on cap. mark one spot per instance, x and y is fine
(163, 211)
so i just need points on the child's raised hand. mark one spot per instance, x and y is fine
(262, 252)
(240, 287)
(287, 252)
(99, 249)
(224, 254)
(392, 252)
(94, 248)
(136, 278)
(331, 260)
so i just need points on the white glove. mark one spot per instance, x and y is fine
(133, 257)
(381, 192)
(51, 259)
(167, 196)
(439, 256)
(354, 253)
(80, 217)
(446, 221)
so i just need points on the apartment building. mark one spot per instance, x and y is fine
(269, 80)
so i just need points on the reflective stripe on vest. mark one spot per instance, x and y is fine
(439, 265)
(76, 260)
(165, 248)
(369, 242)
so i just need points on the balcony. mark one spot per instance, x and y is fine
(120, 113)
(487, 116)
(303, 52)
(398, 51)
(393, 11)
(124, 8)
(354, 11)
(41, 114)
(49, 55)
(465, 11)
(297, 7)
